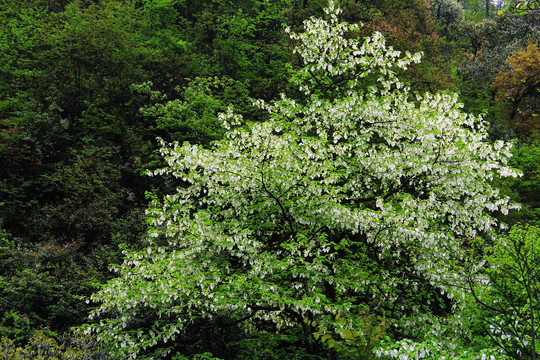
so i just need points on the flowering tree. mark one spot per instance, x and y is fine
(354, 199)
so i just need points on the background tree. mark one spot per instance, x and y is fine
(70, 153)
(527, 191)
(519, 84)
(511, 307)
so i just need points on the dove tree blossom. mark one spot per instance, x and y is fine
(354, 198)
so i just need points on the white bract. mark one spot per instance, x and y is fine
(337, 203)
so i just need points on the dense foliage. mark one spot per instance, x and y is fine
(87, 87)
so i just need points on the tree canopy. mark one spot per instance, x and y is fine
(344, 200)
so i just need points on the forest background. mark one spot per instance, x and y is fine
(86, 88)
